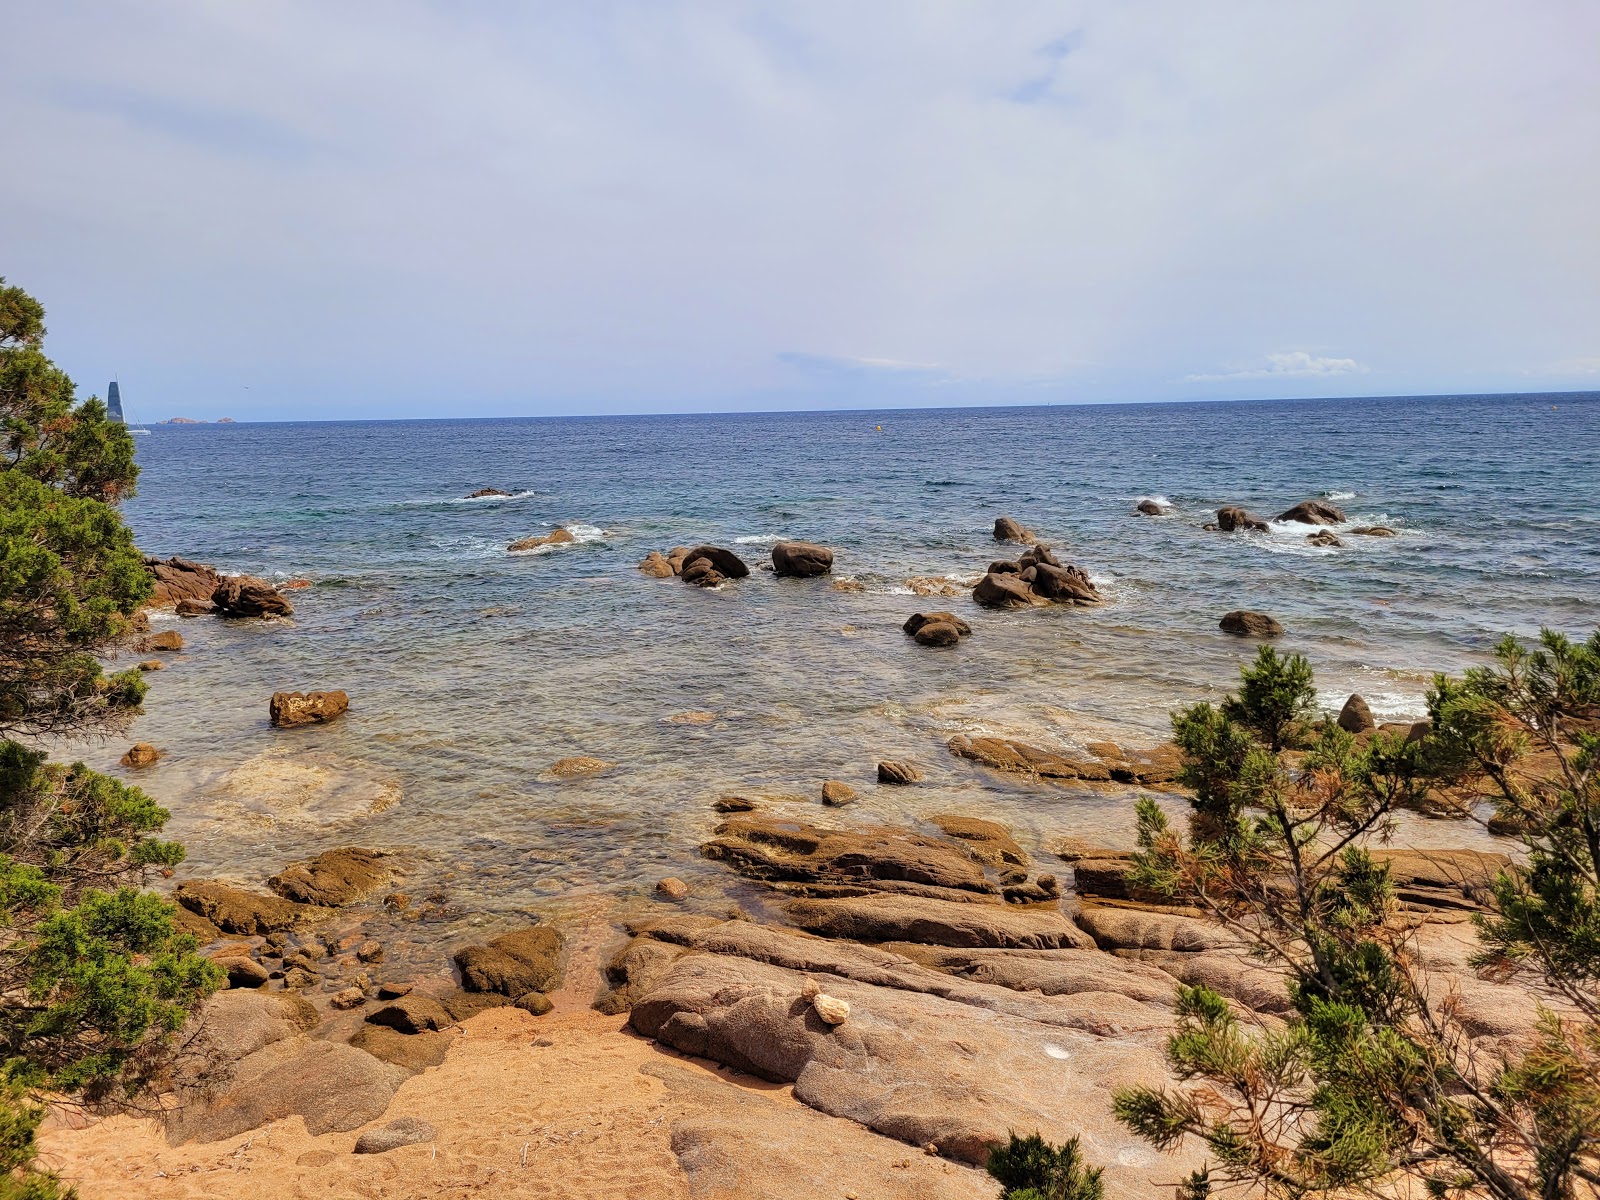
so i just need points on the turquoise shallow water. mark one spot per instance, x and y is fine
(471, 670)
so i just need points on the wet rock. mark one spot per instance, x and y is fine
(1324, 537)
(194, 608)
(701, 573)
(299, 978)
(370, 951)
(836, 794)
(1006, 590)
(1008, 530)
(1149, 508)
(1231, 518)
(917, 620)
(725, 562)
(733, 804)
(848, 585)
(1356, 717)
(152, 664)
(247, 596)
(463, 1005)
(413, 1013)
(1314, 512)
(933, 585)
(656, 566)
(334, 877)
(140, 754)
(525, 961)
(556, 537)
(1244, 623)
(1064, 584)
(924, 919)
(990, 842)
(235, 910)
(402, 1131)
(773, 849)
(393, 991)
(1376, 531)
(178, 579)
(1019, 758)
(289, 709)
(167, 639)
(937, 633)
(801, 559)
(570, 768)
(898, 773)
(486, 491)
(347, 998)
(672, 888)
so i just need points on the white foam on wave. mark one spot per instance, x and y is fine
(581, 535)
(1385, 705)
(1340, 495)
(523, 495)
(759, 539)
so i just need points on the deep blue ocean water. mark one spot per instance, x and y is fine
(471, 669)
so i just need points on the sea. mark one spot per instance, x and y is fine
(471, 670)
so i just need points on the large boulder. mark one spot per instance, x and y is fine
(1008, 530)
(1356, 716)
(247, 596)
(1064, 584)
(1242, 622)
(1314, 512)
(1150, 508)
(725, 562)
(1006, 590)
(656, 566)
(513, 964)
(702, 573)
(180, 579)
(334, 877)
(1231, 518)
(288, 709)
(801, 559)
(917, 620)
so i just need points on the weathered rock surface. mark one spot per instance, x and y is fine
(656, 565)
(481, 493)
(893, 918)
(1231, 518)
(412, 1013)
(724, 562)
(234, 910)
(411, 1052)
(180, 579)
(1324, 537)
(140, 754)
(776, 850)
(402, 1131)
(288, 709)
(917, 621)
(989, 841)
(556, 537)
(1376, 531)
(528, 960)
(801, 559)
(835, 793)
(1356, 716)
(247, 596)
(194, 608)
(899, 774)
(1006, 590)
(334, 877)
(1314, 512)
(167, 639)
(1245, 623)
(1035, 578)
(1008, 530)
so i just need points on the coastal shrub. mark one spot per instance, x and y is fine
(1371, 1077)
(94, 977)
(1030, 1168)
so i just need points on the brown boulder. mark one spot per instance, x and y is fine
(247, 596)
(1376, 531)
(1064, 584)
(140, 754)
(1006, 590)
(487, 491)
(937, 633)
(1324, 537)
(837, 794)
(801, 559)
(1018, 758)
(1356, 717)
(656, 566)
(167, 639)
(194, 608)
(411, 1052)
(288, 709)
(412, 1013)
(402, 1131)
(701, 573)
(234, 910)
(725, 562)
(1313, 512)
(556, 537)
(334, 877)
(525, 961)
(917, 621)
(1231, 518)
(898, 773)
(1008, 530)
(991, 843)
(180, 579)
(1245, 623)
(1149, 508)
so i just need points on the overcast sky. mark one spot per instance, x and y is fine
(311, 209)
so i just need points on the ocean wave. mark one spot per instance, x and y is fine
(1339, 495)
(582, 535)
(436, 501)
(759, 539)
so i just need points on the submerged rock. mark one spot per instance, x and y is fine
(288, 709)
(556, 537)
(801, 559)
(140, 754)
(899, 774)
(1245, 623)
(837, 794)
(1376, 531)
(579, 765)
(1149, 508)
(1324, 537)
(247, 596)
(333, 878)
(481, 493)
(234, 910)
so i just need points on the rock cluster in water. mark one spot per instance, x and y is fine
(703, 566)
(1037, 578)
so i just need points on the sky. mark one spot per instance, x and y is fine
(486, 207)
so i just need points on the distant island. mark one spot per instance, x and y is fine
(193, 421)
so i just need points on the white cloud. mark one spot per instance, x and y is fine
(1288, 364)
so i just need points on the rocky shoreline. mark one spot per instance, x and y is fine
(902, 995)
